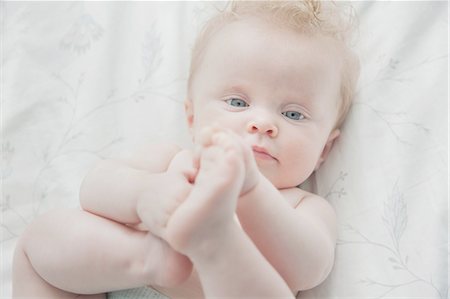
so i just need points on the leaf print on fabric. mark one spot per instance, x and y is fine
(151, 53)
(335, 190)
(395, 219)
(82, 34)
(7, 154)
(395, 215)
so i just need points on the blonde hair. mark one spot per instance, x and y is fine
(311, 17)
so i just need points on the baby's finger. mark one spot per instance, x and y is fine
(207, 133)
(197, 156)
(191, 174)
(205, 136)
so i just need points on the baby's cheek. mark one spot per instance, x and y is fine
(299, 166)
(295, 176)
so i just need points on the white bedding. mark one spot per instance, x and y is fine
(82, 81)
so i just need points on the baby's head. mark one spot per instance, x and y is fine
(281, 75)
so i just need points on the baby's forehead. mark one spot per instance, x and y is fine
(245, 32)
(252, 41)
(249, 53)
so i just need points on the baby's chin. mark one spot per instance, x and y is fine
(281, 181)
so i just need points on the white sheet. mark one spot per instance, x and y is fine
(83, 81)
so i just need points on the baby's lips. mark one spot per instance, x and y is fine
(262, 152)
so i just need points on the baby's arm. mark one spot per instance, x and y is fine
(299, 242)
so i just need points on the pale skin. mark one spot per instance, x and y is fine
(263, 121)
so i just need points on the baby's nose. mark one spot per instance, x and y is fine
(262, 127)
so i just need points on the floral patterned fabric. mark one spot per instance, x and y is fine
(82, 81)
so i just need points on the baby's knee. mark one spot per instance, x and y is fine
(19, 257)
(22, 269)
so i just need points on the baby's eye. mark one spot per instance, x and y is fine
(237, 102)
(294, 115)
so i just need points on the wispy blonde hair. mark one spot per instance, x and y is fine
(311, 17)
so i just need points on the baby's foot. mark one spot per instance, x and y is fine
(212, 201)
(165, 266)
(156, 205)
(251, 171)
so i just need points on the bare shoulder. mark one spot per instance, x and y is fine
(313, 207)
(153, 156)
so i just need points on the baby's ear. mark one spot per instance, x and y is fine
(328, 146)
(189, 110)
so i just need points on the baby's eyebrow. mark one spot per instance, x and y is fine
(306, 102)
(299, 98)
(235, 88)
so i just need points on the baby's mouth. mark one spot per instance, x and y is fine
(262, 154)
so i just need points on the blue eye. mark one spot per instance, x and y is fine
(294, 115)
(235, 102)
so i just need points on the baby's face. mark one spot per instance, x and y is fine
(277, 89)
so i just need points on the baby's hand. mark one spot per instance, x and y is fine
(185, 163)
(166, 192)
(214, 135)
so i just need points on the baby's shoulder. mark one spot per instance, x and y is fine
(313, 207)
(293, 195)
(297, 197)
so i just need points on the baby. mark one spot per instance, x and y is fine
(269, 86)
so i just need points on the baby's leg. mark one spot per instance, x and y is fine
(27, 283)
(81, 253)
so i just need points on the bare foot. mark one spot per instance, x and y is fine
(251, 171)
(165, 266)
(212, 201)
